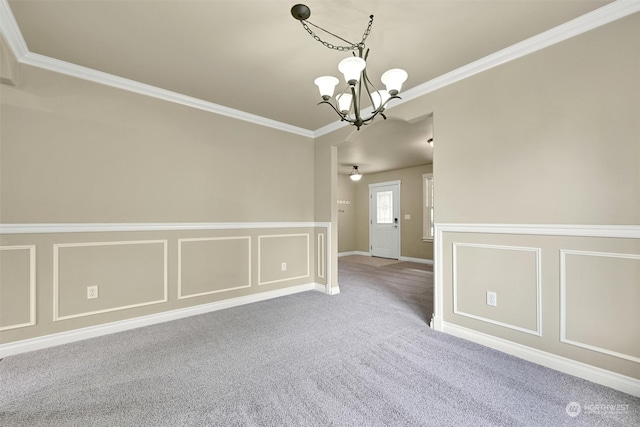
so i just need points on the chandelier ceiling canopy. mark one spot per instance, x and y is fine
(349, 103)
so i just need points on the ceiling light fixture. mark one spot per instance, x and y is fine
(355, 174)
(348, 104)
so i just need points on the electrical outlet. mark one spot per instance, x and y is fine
(492, 299)
(284, 266)
(92, 292)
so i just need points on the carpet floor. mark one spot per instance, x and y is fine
(365, 357)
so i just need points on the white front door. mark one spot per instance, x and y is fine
(384, 214)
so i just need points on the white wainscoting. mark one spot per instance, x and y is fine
(235, 286)
(563, 301)
(592, 373)
(321, 254)
(538, 270)
(612, 231)
(45, 341)
(52, 340)
(56, 277)
(282, 236)
(32, 285)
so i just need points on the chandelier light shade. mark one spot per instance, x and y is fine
(393, 80)
(326, 85)
(355, 174)
(344, 102)
(352, 67)
(360, 92)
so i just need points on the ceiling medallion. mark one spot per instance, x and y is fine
(348, 104)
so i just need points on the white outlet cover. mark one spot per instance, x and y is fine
(284, 266)
(92, 292)
(492, 299)
(407, 216)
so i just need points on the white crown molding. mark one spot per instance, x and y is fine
(171, 226)
(604, 15)
(96, 76)
(11, 32)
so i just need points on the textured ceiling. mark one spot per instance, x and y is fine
(251, 55)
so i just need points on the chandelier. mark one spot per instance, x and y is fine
(349, 103)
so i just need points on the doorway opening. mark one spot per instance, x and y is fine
(390, 151)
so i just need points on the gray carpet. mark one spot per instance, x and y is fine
(365, 357)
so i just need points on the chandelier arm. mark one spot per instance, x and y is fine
(379, 111)
(384, 105)
(356, 104)
(367, 82)
(342, 116)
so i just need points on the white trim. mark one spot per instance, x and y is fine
(11, 31)
(427, 199)
(563, 301)
(335, 290)
(286, 279)
(341, 254)
(329, 253)
(538, 253)
(608, 231)
(418, 260)
(321, 256)
(142, 226)
(613, 231)
(32, 285)
(56, 278)
(582, 370)
(107, 79)
(594, 19)
(200, 239)
(52, 340)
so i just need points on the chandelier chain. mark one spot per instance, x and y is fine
(339, 48)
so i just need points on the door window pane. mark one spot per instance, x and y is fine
(384, 207)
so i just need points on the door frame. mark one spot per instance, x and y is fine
(382, 184)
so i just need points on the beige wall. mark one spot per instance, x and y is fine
(346, 214)
(411, 204)
(74, 152)
(550, 138)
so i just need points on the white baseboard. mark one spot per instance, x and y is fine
(418, 260)
(402, 258)
(611, 379)
(340, 254)
(52, 340)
